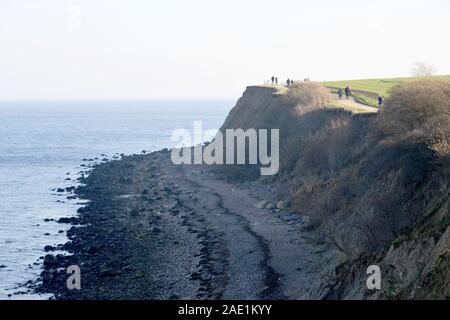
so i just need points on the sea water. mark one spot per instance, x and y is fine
(42, 145)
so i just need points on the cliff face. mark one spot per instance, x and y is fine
(375, 201)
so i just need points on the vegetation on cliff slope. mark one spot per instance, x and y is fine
(373, 185)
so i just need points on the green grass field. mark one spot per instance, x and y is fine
(366, 91)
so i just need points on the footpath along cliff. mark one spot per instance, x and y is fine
(350, 192)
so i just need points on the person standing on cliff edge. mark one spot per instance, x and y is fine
(273, 79)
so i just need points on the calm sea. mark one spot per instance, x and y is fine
(40, 143)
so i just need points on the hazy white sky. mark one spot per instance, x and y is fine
(144, 49)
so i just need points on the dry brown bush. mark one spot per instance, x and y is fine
(418, 111)
(307, 96)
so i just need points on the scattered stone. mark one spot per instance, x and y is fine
(50, 261)
(156, 230)
(261, 204)
(71, 220)
(270, 206)
(106, 272)
(93, 250)
(281, 205)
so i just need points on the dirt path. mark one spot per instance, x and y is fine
(351, 103)
(267, 251)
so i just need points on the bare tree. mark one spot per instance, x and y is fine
(423, 69)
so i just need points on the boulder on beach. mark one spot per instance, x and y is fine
(261, 205)
(281, 205)
(50, 261)
(270, 206)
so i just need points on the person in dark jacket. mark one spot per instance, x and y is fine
(380, 101)
(340, 93)
(348, 92)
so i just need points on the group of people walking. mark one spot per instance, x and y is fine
(274, 81)
(289, 82)
(347, 91)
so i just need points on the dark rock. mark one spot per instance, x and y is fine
(60, 258)
(139, 274)
(196, 276)
(60, 190)
(93, 250)
(50, 261)
(156, 230)
(71, 220)
(49, 248)
(106, 272)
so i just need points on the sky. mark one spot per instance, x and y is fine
(179, 49)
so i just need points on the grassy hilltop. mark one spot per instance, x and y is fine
(366, 91)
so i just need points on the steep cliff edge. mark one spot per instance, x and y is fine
(359, 190)
(378, 201)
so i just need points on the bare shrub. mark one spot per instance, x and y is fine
(423, 69)
(418, 111)
(307, 96)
